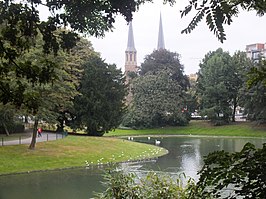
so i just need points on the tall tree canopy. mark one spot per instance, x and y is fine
(157, 101)
(163, 59)
(46, 101)
(50, 102)
(20, 26)
(219, 83)
(159, 97)
(100, 106)
(254, 100)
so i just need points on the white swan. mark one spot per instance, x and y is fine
(157, 142)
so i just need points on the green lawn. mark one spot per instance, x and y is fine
(72, 151)
(198, 127)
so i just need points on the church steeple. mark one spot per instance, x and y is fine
(130, 40)
(160, 44)
(131, 61)
(131, 53)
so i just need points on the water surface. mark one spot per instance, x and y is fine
(185, 155)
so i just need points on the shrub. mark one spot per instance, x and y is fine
(128, 185)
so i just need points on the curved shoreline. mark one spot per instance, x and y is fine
(187, 135)
(86, 167)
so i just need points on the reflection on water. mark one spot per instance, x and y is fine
(185, 155)
(64, 184)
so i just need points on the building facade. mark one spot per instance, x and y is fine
(256, 51)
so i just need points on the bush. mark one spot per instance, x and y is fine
(128, 185)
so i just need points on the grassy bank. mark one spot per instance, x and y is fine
(245, 129)
(72, 151)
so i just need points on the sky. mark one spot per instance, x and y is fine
(246, 29)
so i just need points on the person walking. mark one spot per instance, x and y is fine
(39, 132)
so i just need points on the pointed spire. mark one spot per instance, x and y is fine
(130, 41)
(160, 44)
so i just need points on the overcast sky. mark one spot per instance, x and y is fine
(247, 28)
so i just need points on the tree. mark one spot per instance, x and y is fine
(157, 101)
(100, 106)
(159, 93)
(257, 74)
(74, 62)
(240, 66)
(218, 13)
(218, 85)
(51, 99)
(254, 102)
(20, 26)
(163, 59)
(46, 101)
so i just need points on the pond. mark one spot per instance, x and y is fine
(185, 155)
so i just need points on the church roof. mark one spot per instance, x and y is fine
(130, 41)
(160, 44)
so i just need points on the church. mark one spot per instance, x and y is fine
(131, 53)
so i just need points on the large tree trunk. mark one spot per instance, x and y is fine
(234, 110)
(6, 130)
(34, 134)
(26, 120)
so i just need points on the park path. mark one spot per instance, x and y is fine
(44, 138)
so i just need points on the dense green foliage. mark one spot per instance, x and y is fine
(257, 74)
(233, 175)
(164, 60)
(158, 93)
(100, 106)
(21, 26)
(254, 100)
(74, 64)
(220, 84)
(120, 184)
